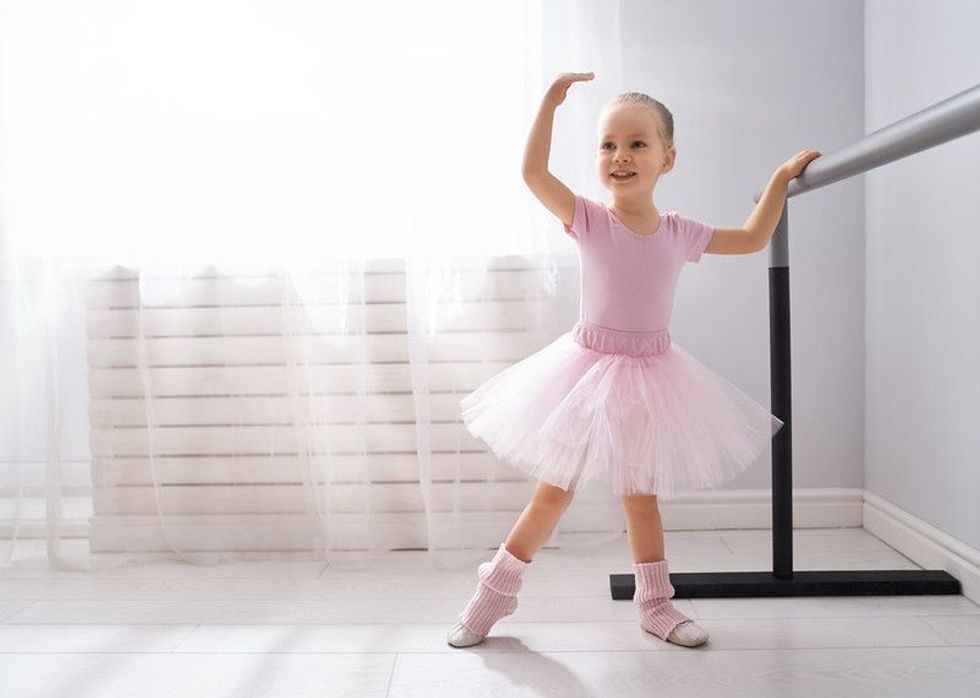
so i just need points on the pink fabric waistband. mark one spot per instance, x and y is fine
(627, 342)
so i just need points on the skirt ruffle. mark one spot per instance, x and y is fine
(648, 424)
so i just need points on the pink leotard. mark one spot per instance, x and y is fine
(628, 279)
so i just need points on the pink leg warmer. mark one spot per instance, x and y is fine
(496, 592)
(652, 595)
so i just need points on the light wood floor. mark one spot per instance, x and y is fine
(297, 629)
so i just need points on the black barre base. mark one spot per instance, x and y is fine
(703, 585)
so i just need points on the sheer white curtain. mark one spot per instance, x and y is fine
(252, 254)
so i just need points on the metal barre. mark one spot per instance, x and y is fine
(956, 116)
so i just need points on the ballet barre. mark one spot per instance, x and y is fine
(952, 118)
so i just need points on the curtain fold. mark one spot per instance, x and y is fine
(278, 396)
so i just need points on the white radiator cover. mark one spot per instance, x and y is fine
(225, 356)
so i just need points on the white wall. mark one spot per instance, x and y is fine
(751, 84)
(923, 290)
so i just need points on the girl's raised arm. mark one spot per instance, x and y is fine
(549, 190)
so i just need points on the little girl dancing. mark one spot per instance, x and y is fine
(614, 398)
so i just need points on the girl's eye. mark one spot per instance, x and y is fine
(634, 143)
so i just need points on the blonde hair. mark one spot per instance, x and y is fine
(666, 119)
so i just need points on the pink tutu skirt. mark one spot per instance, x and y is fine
(629, 408)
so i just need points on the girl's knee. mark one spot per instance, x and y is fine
(552, 497)
(641, 503)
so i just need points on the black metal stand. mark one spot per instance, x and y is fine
(783, 581)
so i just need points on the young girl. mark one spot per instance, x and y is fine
(614, 398)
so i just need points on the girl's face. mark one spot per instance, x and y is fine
(630, 141)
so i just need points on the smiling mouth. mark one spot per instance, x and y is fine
(624, 177)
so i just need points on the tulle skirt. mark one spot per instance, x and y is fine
(631, 409)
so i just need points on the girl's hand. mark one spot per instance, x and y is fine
(556, 93)
(796, 164)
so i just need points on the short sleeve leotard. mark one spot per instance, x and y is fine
(628, 279)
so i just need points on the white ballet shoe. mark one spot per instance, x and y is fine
(688, 634)
(461, 636)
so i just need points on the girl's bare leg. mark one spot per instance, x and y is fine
(538, 520)
(645, 529)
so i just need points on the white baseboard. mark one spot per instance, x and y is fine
(923, 543)
(837, 507)
(592, 511)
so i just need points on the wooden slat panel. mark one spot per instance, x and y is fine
(292, 499)
(198, 351)
(377, 288)
(335, 468)
(320, 320)
(276, 380)
(203, 411)
(246, 270)
(226, 382)
(79, 477)
(271, 440)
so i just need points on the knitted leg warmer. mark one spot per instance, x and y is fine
(657, 615)
(496, 592)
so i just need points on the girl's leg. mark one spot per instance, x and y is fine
(500, 578)
(645, 529)
(653, 588)
(538, 520)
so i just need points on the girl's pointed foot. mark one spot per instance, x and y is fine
(688, 634)
(461, 636)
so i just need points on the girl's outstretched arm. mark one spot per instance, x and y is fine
(549, 190)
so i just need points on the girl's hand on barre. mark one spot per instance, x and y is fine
(796, 164)
(556, 93)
